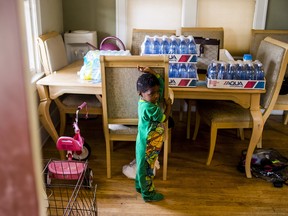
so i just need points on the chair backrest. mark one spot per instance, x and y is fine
(138, 36)
(119, 95)
(52, 52)
(206, 32)
(273, 54)
(258, 35)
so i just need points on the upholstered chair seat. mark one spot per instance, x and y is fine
(229, 112)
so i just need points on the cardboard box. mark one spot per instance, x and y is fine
(179, 58)
(183, 82)
(182, 58)
(236, 84)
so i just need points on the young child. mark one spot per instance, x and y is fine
(150, 131)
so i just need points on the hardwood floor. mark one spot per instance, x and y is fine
(192, 188)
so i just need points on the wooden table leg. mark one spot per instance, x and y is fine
(255, 137)
(165, 153)
(44, 115)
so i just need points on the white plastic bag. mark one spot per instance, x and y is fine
(91, 67)
(130, 169)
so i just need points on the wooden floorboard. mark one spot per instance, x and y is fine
(192, 188)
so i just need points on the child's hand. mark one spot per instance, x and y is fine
(146, 70)
(168, 102)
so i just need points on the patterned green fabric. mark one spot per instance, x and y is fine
(148, 144)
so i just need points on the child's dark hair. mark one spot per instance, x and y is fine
(146, 81)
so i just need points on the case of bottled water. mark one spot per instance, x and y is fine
(246, 74)
(182, 55)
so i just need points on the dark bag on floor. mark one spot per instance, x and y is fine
(267, 164)
(207, 51)
(284, 87)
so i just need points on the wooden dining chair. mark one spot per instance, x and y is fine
(257, 36)
(227, 114)
(138, 36)
(53, 57)
(120, 99)
(282, 104)
(206, 32)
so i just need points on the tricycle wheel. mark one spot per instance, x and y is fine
(84, 154)
(47, 178)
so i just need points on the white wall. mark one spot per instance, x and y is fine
(153, 14)
(236, 16)
(51, 16)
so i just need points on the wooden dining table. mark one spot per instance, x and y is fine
(64, 81)
(67, 80)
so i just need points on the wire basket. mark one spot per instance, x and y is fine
(69, 196)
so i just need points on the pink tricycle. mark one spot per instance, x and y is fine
(76, 146)
(78, 150)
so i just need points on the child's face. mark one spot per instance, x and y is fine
(151, 95)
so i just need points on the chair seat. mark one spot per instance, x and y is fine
(282, 100)
(223, 111)
(75, 100)
(123, 129)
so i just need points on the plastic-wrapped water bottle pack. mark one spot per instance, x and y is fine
(91, 67)
(182, 70)
(236, 70)
(168, 45)
(182, 54)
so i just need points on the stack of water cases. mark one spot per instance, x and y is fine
(182, 57)
(236, 74)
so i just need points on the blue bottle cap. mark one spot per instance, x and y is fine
(247, 57)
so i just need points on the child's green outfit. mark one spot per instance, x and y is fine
(148, 145)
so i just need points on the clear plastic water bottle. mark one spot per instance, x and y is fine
(231, 73)
(241, 71)
(174, 46)
(192, 71)
(250, 71)
(222, 71)
(156, 46)
(213, 71)
(171, 72)
(255, 65)
(176, 71)
(147, 45)
(191, 45)
(183, 71)
(259, 72)
(183, 48)
(165, 46)
(236, 64)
